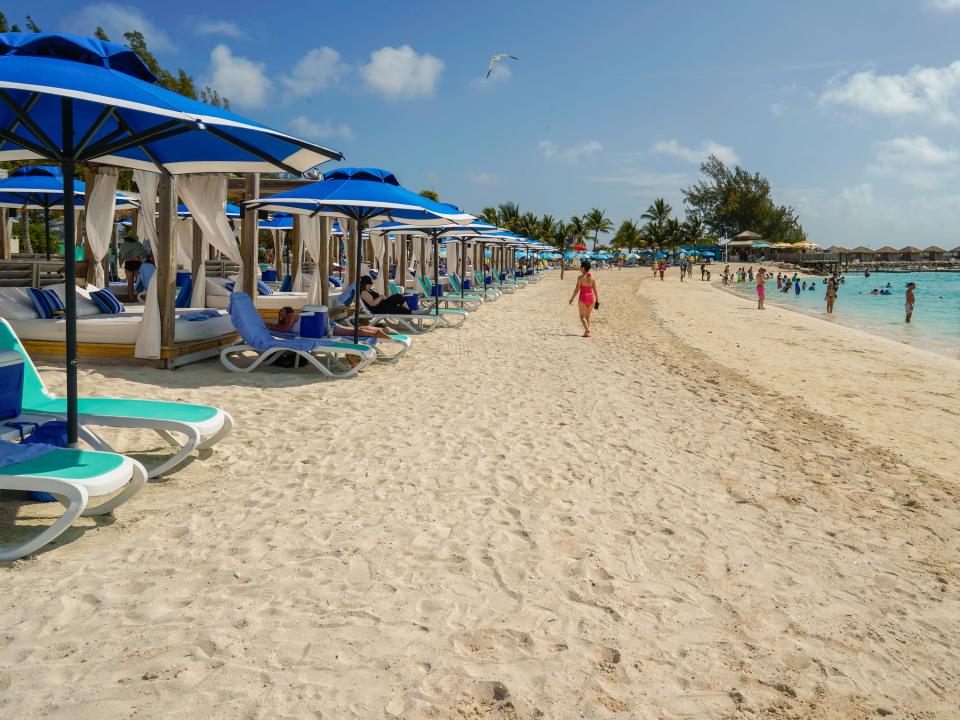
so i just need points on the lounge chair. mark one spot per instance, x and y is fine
(448, 317)
(469, 303)
(201, 425)
(488, 293)
(506, 288)
(324, 355)
(72, 476)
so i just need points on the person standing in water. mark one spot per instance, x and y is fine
(589, 299)
(911, 299)
(831, 296)
(761, 288)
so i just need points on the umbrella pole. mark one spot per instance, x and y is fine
(356, 280)
(436, 273)
(70, 270)
(46, 229)
(463, 267)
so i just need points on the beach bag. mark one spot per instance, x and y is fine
(50, 433)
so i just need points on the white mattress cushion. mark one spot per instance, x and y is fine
(218, 286)
(15, 304)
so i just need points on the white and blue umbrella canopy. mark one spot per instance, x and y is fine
(233, 211)
(362, 194)
(71, 99)
(40, 187)
(121, 117)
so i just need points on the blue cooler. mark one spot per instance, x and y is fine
(182, 277)
(314, 322)
(412, 299)
(436, 290)
(466, 284)
(269, 275)
(11, 383)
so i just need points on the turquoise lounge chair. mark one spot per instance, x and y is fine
(488, 293)
(72, 476)
(506, 288)
(202, 426)
(469, 303)
(447, 317)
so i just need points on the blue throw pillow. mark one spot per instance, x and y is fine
(263, 288)
(228, 286)
(107, 302)
(334, 281)
(56, 304)
(41, 303)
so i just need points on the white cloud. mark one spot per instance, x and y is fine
(227, 28)
(401, 72)
(571, 154)
(319, 130)
(945, 5)
(315, 71)
(916, 161)
(240, 80)
(116, 19)
(858, 196)
(707, 148)
(927, 91)
(643, 181)
(776, 109)
(482, 178)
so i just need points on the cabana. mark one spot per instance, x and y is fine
(934, 253)
(861, 253)
(911, 253)
(955, 252)
(887, 254)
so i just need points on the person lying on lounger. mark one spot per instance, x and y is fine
(365, 331)
(286, 318)
(392, 305)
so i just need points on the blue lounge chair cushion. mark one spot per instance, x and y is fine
(247, 321)
(185, 293)
(287, 284)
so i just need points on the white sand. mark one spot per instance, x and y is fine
(515, 522)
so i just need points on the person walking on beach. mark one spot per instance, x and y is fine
(662, 269)
(831, 296)
(761, 288)
(589, 299)
(910, 301)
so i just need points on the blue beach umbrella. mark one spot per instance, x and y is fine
(40, 187)
(363, 194)
(233, 211)
(72, 99)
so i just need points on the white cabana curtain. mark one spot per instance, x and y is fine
(183, 231)
(206, 198)
(148, 339)
(100, 206)
(147, 183)
(310, 242)
(296, 266)
(377, 241)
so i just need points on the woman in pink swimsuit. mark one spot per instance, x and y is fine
(761, 288)
(587, 288)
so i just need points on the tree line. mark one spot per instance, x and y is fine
(722, 204)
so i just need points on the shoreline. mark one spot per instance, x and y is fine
(839, 318)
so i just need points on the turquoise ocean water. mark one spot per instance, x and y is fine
(936, 318)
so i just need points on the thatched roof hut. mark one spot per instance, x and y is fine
(837, 250)
(934, 253)
(911, 253)
(887, 250)
(747, 235)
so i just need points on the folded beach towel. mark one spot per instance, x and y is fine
(195, 315)
(13, 453)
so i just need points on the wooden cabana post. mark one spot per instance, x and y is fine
(248, 237)
(166, 258)
(323, 262)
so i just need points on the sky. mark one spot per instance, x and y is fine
(850, 108)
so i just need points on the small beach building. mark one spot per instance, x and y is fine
(887, 254)
(955, 252)
(862, 253)
(934, 253)
(911, 253)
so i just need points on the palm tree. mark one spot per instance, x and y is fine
(596, 221)
(693, 229)
(627, 237)
(490, 215)
(527, 225)
(658, 213)
(673, 232)
(431, 195)
(509, 215)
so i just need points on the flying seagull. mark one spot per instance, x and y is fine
(495, 59)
